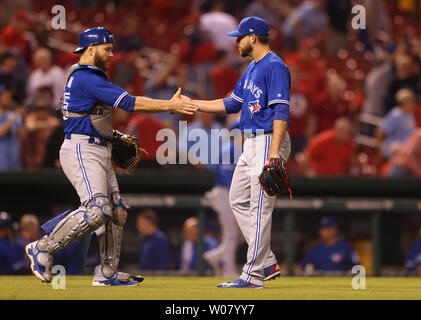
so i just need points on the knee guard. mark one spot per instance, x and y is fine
(120, 207)
(76, 224)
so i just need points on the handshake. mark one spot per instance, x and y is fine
(182, 104)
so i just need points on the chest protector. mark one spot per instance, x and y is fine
(100, 114)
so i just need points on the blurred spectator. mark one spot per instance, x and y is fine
(270, 10)
(14, 35)
(307, 84)
(13, 75)
(201, 146)
(378, 21)
(45, 74)
(303, 120)
(307, 20)
(217, 23)
(196, 48)
(398, 124)
(188, 253)
(189, 62)
(128, 34)
(308, 70)
(9, 259)
(339, 12)
(146, 128)
(29, 230)
(123, 69)
(54, 140)
(332, 254)
(406, 162)
(223, 258)
(330, 103)
(376, 85)
(413, 260)
(52, 147)
(223, 76)
(9, 7)
(407, 75)
(46, 94)
(38, 126)
(10, 130)
(155, 251)
(330, 152)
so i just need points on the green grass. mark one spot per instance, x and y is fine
(204, 288)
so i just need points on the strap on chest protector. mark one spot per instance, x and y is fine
(100, 114)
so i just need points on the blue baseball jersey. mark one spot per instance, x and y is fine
(225, 171)
(338, 257)
(189, 252)
(85, 87)
(413, 261)
(22, 264)
(9, 258)
(262, 94)
(155, 252)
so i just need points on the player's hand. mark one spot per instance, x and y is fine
(182, 105)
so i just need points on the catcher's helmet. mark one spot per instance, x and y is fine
(5, 220)
(93, 36)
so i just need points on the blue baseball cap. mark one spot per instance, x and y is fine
(251, 25)
(328, 222)
(93, 36)
(5, 220)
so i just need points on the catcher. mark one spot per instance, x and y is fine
(85, 157)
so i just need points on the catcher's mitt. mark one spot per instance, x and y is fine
(274, 178)
(126, 150)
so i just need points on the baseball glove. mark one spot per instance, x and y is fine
(126, 150)
(274, 178)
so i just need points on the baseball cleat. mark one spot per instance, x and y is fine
(272, 272)
(114, 283)
(38, 269)
(124, 277)
(239, 283)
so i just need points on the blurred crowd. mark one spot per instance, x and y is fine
(355, 96)
(158, 251)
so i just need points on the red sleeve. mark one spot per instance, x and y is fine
(184, 50)
(318, 145)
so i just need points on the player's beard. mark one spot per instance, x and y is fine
(246, 51)
(100, 62)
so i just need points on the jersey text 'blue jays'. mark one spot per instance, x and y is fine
(262, 94)
(87, 86)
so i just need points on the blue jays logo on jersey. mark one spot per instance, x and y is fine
(255, 90)
(254, 107)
